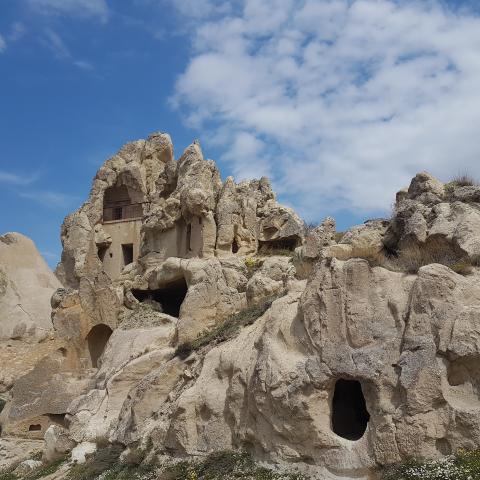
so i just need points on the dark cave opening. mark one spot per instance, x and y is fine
(171, 296)
(97, 339)
(289, 243)
(235, 246)
(349, 411)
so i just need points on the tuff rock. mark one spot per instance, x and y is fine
(353, 364)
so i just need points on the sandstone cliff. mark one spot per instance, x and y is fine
(202, 316)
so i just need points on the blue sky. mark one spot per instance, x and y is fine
(339, 102)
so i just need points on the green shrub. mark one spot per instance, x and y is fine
(411, 258)
(252, 264)
(464, 180)
(225, 330)
(339, 236)
(461, 466)
(463, 268)
(8, 475)
(46, 469)
(225, 465)
(100, 461)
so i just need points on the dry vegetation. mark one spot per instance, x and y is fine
(227, 329)
(461, 466)
(411, 258)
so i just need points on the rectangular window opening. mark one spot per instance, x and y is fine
(127, 254)
(117, 213)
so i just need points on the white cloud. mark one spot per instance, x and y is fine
(55, 42)
(16, 179)
(3, 44)
(83, 65)
(50, 199)
(17, 31)
(340, 101)
(76, 8)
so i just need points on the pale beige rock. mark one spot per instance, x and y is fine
(362, 241)
(316, 240)
(57, 442)
(433, 212)
(83, 449)
(27, 467)
(26, 285)
(270, 279)
(14, 450)
(204, 251)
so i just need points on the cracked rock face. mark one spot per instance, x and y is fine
(26, 285)
(353, 366)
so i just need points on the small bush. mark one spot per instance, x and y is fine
(339, 236)
(100, 461)
(8, 475)
(462, 268)
(46, 469)
(224, 466)
(225, 330)
(461, 466)
(411, 258)
(252, 264)
(464, 180)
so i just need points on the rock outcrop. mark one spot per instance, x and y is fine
(26, 285)
(350, 360)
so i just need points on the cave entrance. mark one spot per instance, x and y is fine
(349, 410)
(127, 252)
(267, 246)
(97, 339)
(171, 296)
(235, 246)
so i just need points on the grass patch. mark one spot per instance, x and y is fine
(464, 180)
(411, 258)
(100, 461)
(47, 469)
(8, 475)
(225, 330)
(224, 466)
(461, 466)
(339, 236)
(252, 264)
(40, 472)
(105, 464)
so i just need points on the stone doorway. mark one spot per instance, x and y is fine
(97, 340)
(349, 411)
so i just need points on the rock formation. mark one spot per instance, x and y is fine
(361, 353)
(26, 285)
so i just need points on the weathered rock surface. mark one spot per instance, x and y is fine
(353, 366)
(431, 211)
(26, 285)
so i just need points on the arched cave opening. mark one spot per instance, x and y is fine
(235, 246)
(267, 246)
(171, 296)
(349, 411)
(122, 203)
(97, 339)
